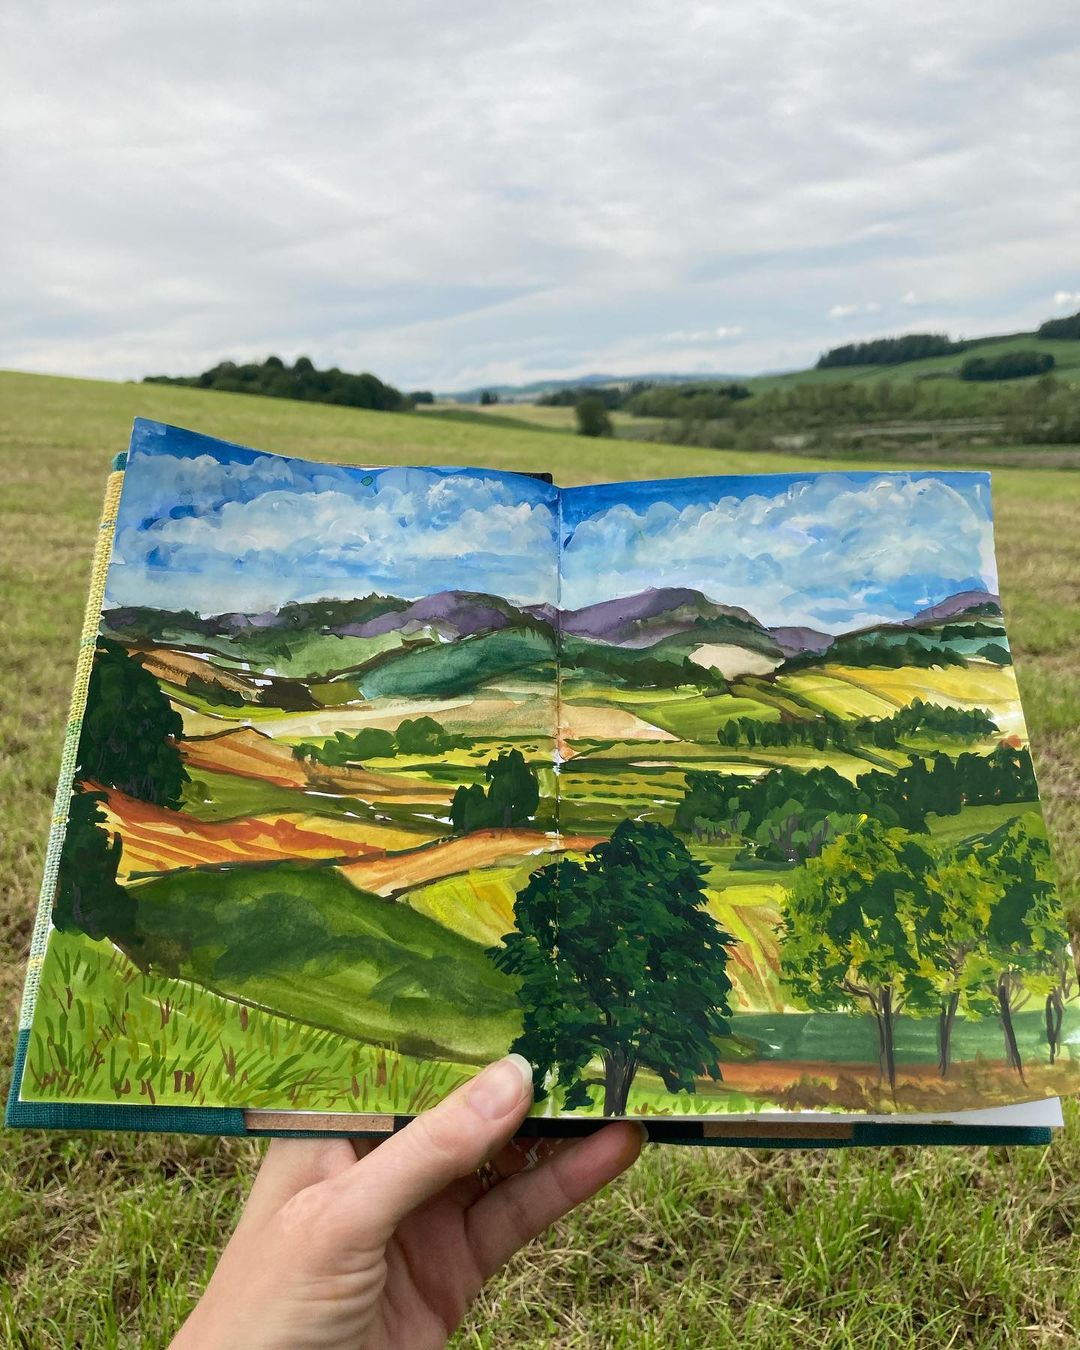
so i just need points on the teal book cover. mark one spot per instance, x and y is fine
(713, 797)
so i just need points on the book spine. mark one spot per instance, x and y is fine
(62, 800)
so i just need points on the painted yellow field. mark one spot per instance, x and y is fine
(501, 712)
(478, 905)
(837, 694)
(979, 684)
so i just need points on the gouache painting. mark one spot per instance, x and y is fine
(709, 796)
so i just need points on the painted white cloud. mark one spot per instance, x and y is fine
(197, 534)
(827, 552)
(1062, 298)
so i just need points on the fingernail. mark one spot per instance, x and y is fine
(500, 1087)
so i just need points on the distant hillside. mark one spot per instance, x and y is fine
(911, 356)
(527, 393)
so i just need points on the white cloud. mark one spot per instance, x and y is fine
(1066, 298)
(847, 311)
(452, 203)
(830, 551)
(195, 533)
(725, 333)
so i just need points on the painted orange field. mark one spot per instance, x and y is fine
(396, 872)
(248, 753)
(156, 839)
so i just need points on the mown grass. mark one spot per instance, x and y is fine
(106, 1239)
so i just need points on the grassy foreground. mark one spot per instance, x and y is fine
(105, 1240)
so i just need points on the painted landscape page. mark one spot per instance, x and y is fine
(315, 769)
(787, 703)
(709, 796)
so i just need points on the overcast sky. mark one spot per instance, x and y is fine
(457, 194)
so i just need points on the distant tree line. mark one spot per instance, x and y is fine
(414, 736)
(1008, 366)
(859, 649)
(830, 730)
(789, 815)
(612, 396)
(1068, 328)
(640, 670)
(890, 351)
(700, 401)
(274, 379)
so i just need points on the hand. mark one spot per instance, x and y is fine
(380, 1244)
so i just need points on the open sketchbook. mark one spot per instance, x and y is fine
(710, 796)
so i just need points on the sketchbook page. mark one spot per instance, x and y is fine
(788, 712)
(314, 770)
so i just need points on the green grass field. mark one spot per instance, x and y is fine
(105, 1240)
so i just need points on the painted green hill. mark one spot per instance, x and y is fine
(303, 938)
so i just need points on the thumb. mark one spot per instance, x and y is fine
(447, 1142)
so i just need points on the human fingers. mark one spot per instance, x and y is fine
(523, 1206)
(434, 1150)
(291, 1165)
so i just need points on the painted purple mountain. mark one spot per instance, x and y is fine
(451, 614)
(650, 616)
(963, 602)
(797, 641)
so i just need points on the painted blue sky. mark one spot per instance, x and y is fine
(212, 527)
(207, 526)
(832, 551)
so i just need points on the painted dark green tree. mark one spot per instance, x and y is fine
(861, 927)
(619, 960)
(130, 730)
(88, 897)
(128, 741)
(511, 797)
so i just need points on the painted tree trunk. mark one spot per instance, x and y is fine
(946, 1019)
(1055, 1015)
(619, 1070)
(885, 1017)
(1012, 1050)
